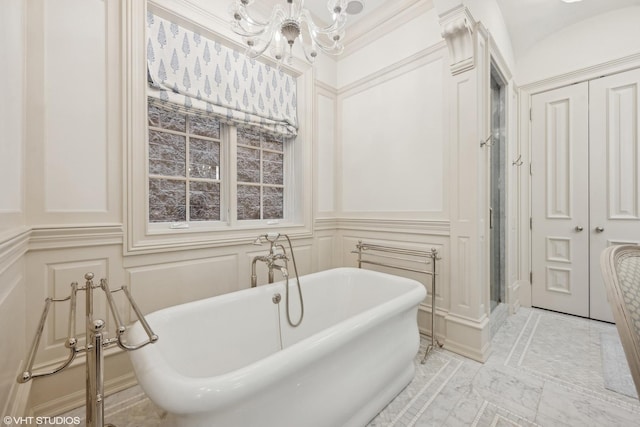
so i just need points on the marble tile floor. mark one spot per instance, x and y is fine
(545, 370)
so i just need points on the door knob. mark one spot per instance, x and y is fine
(599, 229)
(579, 228)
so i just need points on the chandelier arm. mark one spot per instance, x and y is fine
(337, 25)
(277, 15)
(268, 37)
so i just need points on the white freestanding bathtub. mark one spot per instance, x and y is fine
(234, 361)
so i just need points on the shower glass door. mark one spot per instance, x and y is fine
(498, 191)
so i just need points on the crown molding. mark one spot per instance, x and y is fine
(381, 21)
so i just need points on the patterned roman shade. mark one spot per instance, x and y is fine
(200, 75)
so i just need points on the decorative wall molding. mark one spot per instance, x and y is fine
(13, 246)
(394, 70)
(381, 21)
(42, 238)
(322, 86)
(458, 31)
(610, 67)
(405, 226)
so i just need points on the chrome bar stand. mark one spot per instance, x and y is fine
(96, 342)
(418, 256)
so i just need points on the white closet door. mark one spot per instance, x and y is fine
(560, 199)
(614, 121)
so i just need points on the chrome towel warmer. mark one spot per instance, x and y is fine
(427, 257)
(95, 344)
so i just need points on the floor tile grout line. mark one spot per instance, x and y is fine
(528, 344)
(500, 408)
(584, 391)
(435, 394)
(415, 398)
(515, 344)
(476, 420)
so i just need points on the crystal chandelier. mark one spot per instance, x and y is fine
(289, 23)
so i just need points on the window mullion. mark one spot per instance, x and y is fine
(262, 178)
(231, 187)
(188, 170)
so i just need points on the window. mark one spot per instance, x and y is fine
(186, 185)
(260, 168)
(186, 180)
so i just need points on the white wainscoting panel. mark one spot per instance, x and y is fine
(58, 284)
(12, 335)
(75, 93)
(12, 51)
(325, 252)
(392, 157)
(163, 285)
(325, 151)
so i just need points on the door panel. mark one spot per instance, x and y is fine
(560, 199)
(615, 184)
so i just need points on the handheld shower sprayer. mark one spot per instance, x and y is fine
(270, 237)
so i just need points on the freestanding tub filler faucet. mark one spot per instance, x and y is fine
(277, 252)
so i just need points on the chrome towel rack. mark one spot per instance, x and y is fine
(426, 257)
(96, 342)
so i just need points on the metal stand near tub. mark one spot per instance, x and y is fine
(422, 257)
(95, 344)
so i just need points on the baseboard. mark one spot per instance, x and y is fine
(18, 403)
(468, 337)
(514, 296)
(56, 394)
(77, 399)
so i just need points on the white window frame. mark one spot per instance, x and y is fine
(144, 237)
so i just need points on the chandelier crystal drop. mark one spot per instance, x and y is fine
(290, 23)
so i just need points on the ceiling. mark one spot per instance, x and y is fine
(528, 21)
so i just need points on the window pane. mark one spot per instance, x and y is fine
(248, 202)
(204, 126)
(249, 136)
(273, 143)
(167, 200)
(272, 170)
(204, 159)
(204, 202)
(166, 118)
(273, 203)
(248, 165)
(166, 154)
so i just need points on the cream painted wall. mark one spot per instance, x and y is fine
(73, 133)
(75, 123)
(13, 233)
(12, 51)
(408, 39)
(603, 38)
(325, 152)
(392, 134)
